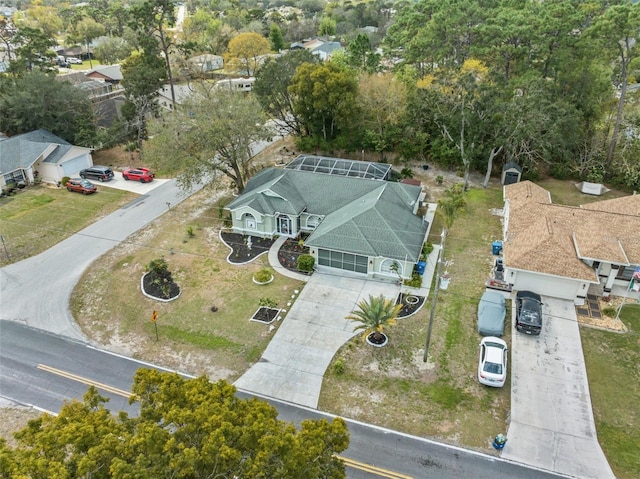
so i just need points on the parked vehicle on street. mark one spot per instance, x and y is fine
(81, 186)
(96, 172)
(143, 175)
(492, 362)
(528, 312)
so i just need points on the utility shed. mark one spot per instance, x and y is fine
(511, 173)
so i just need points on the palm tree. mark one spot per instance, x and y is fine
(374, 316)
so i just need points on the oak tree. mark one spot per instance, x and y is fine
(210, 134)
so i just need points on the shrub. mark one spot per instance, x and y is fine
(338, 367)
(268, 302)
(427, 248)
(158, 267)
(306, 262)
(190, 232)
(415, 281)
(609, 311)
(64, 180)
(263, 275)
(439, 179)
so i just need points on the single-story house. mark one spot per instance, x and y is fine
(206, 63)
(106, 73)
(568, 252)
(40, 154)
(356, 220)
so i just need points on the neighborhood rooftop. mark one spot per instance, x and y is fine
(558, 239)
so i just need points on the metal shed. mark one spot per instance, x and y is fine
(511, 173)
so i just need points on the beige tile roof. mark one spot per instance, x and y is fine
(552, 239)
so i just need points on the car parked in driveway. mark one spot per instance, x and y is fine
(143, 175)
(74, 60)
(96, 172)
(81, 186)
(492, 362)
(528, 312)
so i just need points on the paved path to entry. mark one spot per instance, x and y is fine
(293, 365)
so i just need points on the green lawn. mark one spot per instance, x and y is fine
(613, 366)
(38, 217)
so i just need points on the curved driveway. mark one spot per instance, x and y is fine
(36, 291)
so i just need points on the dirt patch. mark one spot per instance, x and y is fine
(14, 418)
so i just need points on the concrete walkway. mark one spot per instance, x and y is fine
(552, 425)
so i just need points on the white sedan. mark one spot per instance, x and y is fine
(492, 363)
(74, 61)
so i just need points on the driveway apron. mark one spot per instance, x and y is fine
(552, 425)
(292, 367)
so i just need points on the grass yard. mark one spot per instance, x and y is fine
(394, 388)
(40, 216)
(562, 193)
(612, 361)
(109, 306)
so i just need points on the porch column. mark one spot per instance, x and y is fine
(611, 278)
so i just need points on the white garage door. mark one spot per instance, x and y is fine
(73, 166)
(563, 288)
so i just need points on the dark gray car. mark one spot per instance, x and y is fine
(96, 172)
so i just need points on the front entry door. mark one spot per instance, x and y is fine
(284, 225)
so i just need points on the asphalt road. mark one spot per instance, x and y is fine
(36, 291)
(43, 370)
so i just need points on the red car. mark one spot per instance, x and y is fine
(81, 186)
(143, 175)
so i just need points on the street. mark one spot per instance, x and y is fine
(43, 370)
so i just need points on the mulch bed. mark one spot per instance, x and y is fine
(165, 289)
(241, 253)
(265, 314)
(289, 253)
(409, 308)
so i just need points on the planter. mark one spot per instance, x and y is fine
(176, 291)
(265, 315)
(377, 344)
(262, 282)
(412, 299)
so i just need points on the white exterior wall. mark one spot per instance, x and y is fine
(547, 285)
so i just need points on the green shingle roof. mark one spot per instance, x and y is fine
(361, 216)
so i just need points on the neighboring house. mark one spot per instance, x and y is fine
(356, 220)
(565, 251)
(40, 154)
(182, 92)
(326, 50)
(206, 63)
(106, 73)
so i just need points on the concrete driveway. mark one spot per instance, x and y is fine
(292, 367)
(552, 424)
(119, 183)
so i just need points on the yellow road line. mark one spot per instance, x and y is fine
(378, 471)
(88, 382)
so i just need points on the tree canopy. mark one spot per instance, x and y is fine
(210, 134)
(35, 100)
(187, 428)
